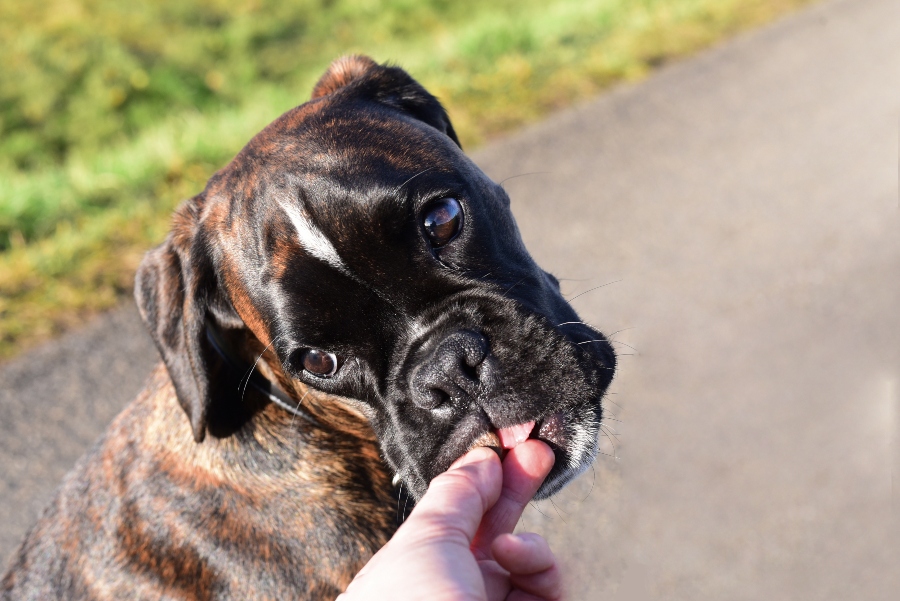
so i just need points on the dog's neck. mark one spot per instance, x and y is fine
(269, 475)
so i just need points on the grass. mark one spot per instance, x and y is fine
(110, 115)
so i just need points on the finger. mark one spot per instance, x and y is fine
(534, 572)
(518, 595)
(523, 554)
(543, 585)
(456, 500)
(496, 580)
(524, 469)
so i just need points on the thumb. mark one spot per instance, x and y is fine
(456, 500)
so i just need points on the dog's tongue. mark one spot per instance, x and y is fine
(514, 435)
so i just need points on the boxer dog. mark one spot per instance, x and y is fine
(345, 310)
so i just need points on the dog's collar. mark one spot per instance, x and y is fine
(251, 377)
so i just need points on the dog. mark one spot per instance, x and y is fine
(344, 310)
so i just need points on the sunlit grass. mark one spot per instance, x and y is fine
(185, 84)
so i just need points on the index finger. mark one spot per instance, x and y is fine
(456, 500)
(524, 469)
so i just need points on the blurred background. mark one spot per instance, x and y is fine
(714, 182)
(111, 112)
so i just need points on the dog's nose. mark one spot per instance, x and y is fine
(451, 372)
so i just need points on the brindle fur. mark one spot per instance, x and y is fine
(287, 510)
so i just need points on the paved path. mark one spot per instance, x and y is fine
(747, 200)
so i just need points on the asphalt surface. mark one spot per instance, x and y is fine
(743, 207)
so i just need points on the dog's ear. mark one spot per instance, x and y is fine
(342, 72)
(388, 85)
(173, 289)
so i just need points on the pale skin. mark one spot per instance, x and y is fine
(457, 544)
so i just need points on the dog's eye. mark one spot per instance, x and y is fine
(443, 221)
(320, 363)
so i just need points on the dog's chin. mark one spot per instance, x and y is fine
(574, 440)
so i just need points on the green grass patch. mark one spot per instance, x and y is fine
(112, 113)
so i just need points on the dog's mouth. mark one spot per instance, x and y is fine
(550, 430)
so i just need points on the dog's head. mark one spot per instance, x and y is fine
(355, 240)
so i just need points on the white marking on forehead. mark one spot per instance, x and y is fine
(313, 240)
(416, 329)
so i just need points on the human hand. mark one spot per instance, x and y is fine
(458, 544)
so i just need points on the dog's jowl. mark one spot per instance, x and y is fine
(344, 310)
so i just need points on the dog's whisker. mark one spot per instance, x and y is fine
(300, 402)
(538, 509)
(610, 437)
(246, 379)
(483, 277)
(593, 482)
(555, 508)
(606, 428)
(620, 331)
(609, 341)
(615, 454)
(559, 507)
(568, 323)
(400, 187)
(612, 402)
(592, 326)
(609, 400)
(624, 344)
(500, 183)
(508, 290)
(609, 415)
(569, 300)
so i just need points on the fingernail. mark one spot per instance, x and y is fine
(524, 537)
